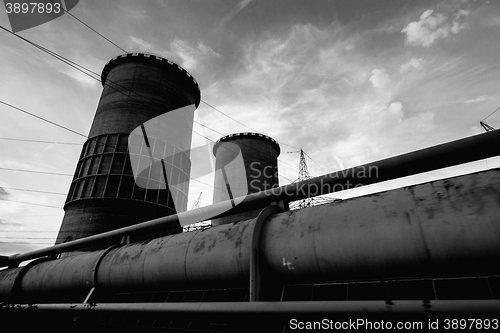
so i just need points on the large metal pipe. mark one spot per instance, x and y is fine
(446, 227)
(276, 308)
(444, 155)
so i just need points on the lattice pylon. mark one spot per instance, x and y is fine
(304, 175)
(199, 225)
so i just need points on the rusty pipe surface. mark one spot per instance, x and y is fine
(276, 308)
(444, 155)
(448, 227)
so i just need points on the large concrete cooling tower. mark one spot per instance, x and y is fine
(104, 194)
(260, 159)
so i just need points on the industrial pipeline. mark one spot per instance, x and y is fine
(447, 227)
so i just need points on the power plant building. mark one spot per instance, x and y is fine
(137, 88)
(422, 252)
(258, 170)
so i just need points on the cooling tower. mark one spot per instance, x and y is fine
(138, 89)
(259, 155)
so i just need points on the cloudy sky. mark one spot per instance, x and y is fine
(348, 81)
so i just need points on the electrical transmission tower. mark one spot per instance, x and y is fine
(199, 225)
(485, 126)
(197, 202)
(304, 175)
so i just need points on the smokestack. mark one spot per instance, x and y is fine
(260, 158)
(104, 194)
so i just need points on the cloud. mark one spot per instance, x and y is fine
(238, 8)
(475, 130)
(412, 64)
(10, 224)
(308, 82)
(82, 76)
(185, 52)
(134, 14)
(180, 51)
(191, 55)
(395, 109)
(478, 99)
(136, 42)
(419, 125)
(380, 118)
(429, 28)
(21, 247)
(380, 80)
(493, 21)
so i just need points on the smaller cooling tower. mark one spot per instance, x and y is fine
(258, 170)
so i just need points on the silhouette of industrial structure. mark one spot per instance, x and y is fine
(121, 261)
(103, 195)
(304, 175)
(258, 172)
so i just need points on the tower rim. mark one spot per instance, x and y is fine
(150, 58)
(252, 135)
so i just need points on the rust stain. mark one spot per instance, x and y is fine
(137, 256)
(229, 233)
(447, 184)
(212, 244)
(205, 244)
(238, 240)
(408, 217)
(199, 246)
(430, 213)
(424, 241)
(314, 228)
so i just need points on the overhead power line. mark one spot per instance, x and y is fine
(59, 57)
(30, 203)
(216, 109)
(61, 174)
(239, 122)
(17, 216)
(88, 26)
(315, 162)
(486, 126)
(37, 191)
(30, 231)
(215, 131)
(26, 243)
(491, 113)
(8, 237)
(97, 78)
(36, 171)
(42, 118)
(42, 141)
